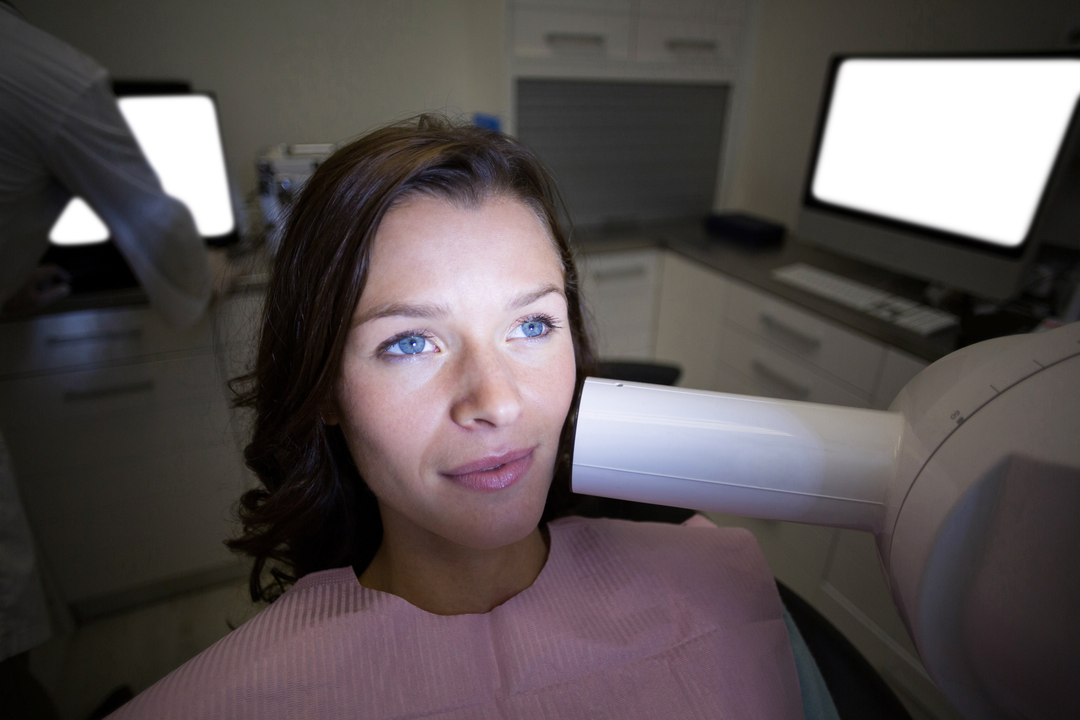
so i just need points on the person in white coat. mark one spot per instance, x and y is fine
(62, 134)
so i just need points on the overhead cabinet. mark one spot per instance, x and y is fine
(691, 39)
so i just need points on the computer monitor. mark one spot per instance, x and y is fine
(180, 136)
(942, 167)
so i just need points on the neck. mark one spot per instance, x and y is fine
(444, 578)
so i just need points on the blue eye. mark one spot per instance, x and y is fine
(532, 328)
(411, 345)
(535, 327)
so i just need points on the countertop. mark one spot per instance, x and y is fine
(249, 271)
(753, 267)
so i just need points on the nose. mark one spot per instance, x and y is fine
(488, 393)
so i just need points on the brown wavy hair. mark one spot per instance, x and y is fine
(314, 511)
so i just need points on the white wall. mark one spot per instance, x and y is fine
(794, 42)
(326, 70)
(299, 71)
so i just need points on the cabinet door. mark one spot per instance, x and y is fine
(691, 315)
(847, 356)
(620, 291)
(128, 473)
(68, 340)
(541, 33)
(686, 42)
(781, 374)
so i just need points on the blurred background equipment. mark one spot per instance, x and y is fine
(283, 170)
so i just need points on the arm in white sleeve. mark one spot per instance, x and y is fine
(95, 155)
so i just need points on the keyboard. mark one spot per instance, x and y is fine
(880, 304)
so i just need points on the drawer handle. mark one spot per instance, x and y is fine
(771, 323)
(575, 42)
(695, 46)
(620, 273)
(134, 334)
(789, 387)
(75, 396)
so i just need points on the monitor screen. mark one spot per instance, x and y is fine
(948, 168)
(179, 135)
(960, 146)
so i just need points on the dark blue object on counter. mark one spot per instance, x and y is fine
(745, 229)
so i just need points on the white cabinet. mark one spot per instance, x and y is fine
(787, 352)
(120, 436)
(646, 40)
(843, 355)
(558, 33)
(691, 312)
(779, 374)
(620, 293)
(662, 40)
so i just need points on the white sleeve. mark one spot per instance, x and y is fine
(96, 157)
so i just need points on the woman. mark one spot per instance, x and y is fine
(422, 349)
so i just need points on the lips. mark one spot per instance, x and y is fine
(494, 472)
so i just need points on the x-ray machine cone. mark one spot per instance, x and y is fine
(970, 483)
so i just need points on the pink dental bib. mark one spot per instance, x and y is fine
(626, 620)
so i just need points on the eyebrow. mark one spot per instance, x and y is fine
(430, 312)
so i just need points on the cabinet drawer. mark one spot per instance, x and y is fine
(162, 519)
(66, 340)
(548, 34)
(665, 40)
(780, 374)
(845, 355)
(69, 420)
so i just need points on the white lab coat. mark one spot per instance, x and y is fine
(61, 134)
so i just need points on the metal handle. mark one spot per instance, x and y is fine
(620, 273)
(575, 41)
(692, 45)
(74, 396)
(133, 334)
(790, 388)
(771, 323)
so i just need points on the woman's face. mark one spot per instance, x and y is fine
(458, 371)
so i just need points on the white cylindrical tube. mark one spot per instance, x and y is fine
(751, 456)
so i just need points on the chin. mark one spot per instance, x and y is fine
(499, 527)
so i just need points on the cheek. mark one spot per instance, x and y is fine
(386, 426)
(552, 386)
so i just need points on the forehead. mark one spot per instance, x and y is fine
(428, 245)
